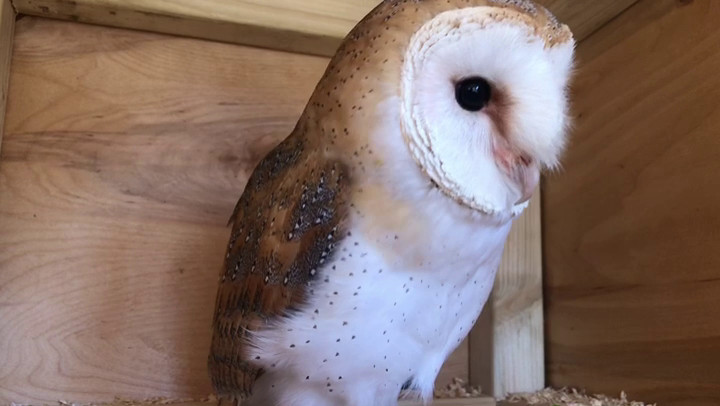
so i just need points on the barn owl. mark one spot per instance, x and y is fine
(365, 245)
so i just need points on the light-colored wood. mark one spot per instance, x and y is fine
(308, 26)
(631, 224)
(124, 155)
(305, 26)
(585, 16)
(506, 347)
(7, 29)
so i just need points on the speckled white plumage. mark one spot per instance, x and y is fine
(402, 294)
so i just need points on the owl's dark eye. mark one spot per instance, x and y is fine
(473, 94)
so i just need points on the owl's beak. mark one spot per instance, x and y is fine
(519, 167)
(527, 176)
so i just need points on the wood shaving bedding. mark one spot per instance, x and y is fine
(458, 388)
(570, 397)
(455, 390)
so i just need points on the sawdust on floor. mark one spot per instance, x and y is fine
(569, 397)
(457, 389)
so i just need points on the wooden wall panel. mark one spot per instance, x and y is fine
(124, 155)
(585, 16)
(632, 224)
(122, 159)
(307, 26)
(7, 30)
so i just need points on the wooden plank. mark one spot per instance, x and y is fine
(506, 347)
(124, 155)
(7, 29)
(631, 224)
(310, 26)
(586, 16)
(304, 26)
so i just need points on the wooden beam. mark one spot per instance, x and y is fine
(7, 29)
(302, 26)
(311, 26)
(506, 346)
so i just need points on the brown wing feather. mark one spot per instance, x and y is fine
(284, 227)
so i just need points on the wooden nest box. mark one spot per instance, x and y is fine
(130, 127)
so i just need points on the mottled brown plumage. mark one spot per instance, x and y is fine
(284, 227)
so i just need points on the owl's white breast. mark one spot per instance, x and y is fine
(404, 289)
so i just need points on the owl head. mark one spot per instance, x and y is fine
(467, 97)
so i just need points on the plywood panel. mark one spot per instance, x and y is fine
(631, 225)
(308, 26)
(586, 16)
(124, 156)
(7, 29)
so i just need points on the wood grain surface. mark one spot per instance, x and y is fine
(584, 17)
(507, 345)
(7, 30)
(124, 155)
(631, 225)
(305, 26)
